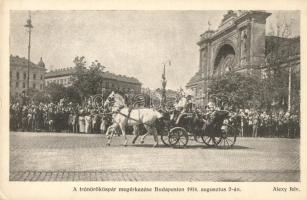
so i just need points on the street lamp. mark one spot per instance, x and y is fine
(29, 26)
(164, 82)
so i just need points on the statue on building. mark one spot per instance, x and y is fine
(203, 62)
(244, 44)
(244, 41)
(229, 14)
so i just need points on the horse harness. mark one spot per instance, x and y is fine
(130, 108)
(128, 116)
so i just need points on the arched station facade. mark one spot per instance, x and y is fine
(237, 45)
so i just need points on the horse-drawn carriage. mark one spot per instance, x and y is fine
(214, 129)
(217, 128)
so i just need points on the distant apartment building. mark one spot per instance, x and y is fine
(61, 76)
(110, 81)
(19, 75)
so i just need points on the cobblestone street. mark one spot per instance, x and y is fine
(85, 157)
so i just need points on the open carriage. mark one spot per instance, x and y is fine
(214, 129)
(175, 128)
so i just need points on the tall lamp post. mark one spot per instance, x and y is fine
(289, 86)
(29, 26)
(164, 81)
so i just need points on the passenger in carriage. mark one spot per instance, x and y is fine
(186, 107)
(210, 109)
(215, 114)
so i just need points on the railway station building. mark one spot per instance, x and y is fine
(240, 44)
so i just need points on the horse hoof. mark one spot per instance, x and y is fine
(155, 145)
(108, 144)
(142, 142)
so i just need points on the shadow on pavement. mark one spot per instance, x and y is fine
(189, 147)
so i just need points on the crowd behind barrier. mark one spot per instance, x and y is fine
(86, 118)
(256, 123)
(60, 117)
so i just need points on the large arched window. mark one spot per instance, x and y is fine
(224, 60)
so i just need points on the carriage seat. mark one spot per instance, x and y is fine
(185, 114)
(217, 117)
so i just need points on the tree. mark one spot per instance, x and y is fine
(282, 86)
(87, 80)
(97, 65)
(79, 61)
(38, 96)
(240, 90)
(72, 94)
(56, 92)
(41, 97)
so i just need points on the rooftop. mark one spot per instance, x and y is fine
(107, 75)
(230, 21)
(60, 72)
(22, 61)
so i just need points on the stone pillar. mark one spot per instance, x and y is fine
(251, 38)
(206, 81)
(257, 38)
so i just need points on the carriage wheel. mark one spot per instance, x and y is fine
(178, 137)
(164, 138)
(198, 139)
(210, 140)
(228, 137)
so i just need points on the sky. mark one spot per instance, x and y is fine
(132, 43)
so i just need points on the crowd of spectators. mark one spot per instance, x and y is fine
(60, 117)
(86, 118)
(256, 123)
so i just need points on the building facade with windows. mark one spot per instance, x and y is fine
(110, 81)
(61, 76)
(19, 75)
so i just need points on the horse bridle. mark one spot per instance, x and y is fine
(111, 100)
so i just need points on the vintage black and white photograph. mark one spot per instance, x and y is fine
(154, 95)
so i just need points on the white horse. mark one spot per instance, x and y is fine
(137, 116)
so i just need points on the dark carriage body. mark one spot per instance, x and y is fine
(210, 129)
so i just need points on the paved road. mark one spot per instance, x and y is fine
(85, 157)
